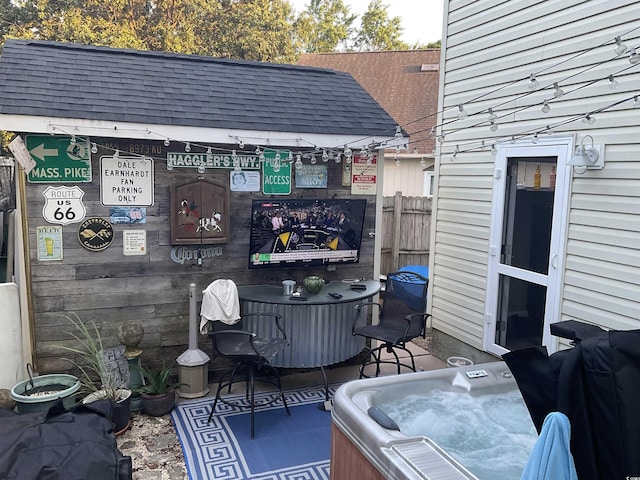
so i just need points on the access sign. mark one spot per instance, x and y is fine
(59, 159)
(276, 173)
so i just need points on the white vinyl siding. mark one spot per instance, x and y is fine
(408, 177)
(490, 48)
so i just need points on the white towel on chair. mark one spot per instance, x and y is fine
(219, 303)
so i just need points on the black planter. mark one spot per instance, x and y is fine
(121, 415)
(158, 405)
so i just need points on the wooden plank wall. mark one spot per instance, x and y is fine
(110, 288)
(406, 227)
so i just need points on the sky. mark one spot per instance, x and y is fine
(421, 19)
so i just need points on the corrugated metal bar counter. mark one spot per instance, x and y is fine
(318, 329)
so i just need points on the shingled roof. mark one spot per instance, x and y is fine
(404, 82)
(71, 81)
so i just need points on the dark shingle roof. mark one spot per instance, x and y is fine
(51, 79)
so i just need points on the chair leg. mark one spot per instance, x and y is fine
(284, 400)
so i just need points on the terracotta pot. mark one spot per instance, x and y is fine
(158, 405)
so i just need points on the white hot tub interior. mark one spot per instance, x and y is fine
(468, 422)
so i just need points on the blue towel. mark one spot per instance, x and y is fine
(551, 457)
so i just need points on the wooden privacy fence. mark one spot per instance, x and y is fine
(406, 227)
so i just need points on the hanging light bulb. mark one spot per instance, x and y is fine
(634, 57)
(636, 101)
(494, 149)
(423, 163)
(613, 83)
(441, 137)
(94, 148)
(432, 132)
(535, 138)
(347, 152)
(313, 159)
(337, 157)
(169, 166)
(398, 134)
(546, 108)
(620, 47)
(461, 113)
(492, 116)
(241, 144)
(549, 130)
(73, 140)
(258, 151)
(187, 147)
(494, 126)
(513, 139)
(589, 119)
(298, 163)
(201, 168)
(209, 155)
(290, 157)
(325, 156)
(558, 92)
(261, 157)
(116, 154)
(533, 83)
(166, 142)
(238, 169)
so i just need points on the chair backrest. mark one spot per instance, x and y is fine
(405, 294)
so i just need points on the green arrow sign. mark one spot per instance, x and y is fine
(59, 159)
(276, 173)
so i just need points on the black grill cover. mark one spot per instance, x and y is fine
(61, 445)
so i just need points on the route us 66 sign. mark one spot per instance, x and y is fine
(63, 205)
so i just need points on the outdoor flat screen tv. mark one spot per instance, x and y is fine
(305, 232)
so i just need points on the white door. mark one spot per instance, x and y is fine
(527, 240)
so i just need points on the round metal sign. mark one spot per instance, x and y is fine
(95, 234)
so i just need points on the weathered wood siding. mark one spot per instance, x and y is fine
(490, 48)
(406, 223)
(110, 288)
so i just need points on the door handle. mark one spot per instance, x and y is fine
(554, 260)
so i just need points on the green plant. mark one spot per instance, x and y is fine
(95, 375)
(158, 382)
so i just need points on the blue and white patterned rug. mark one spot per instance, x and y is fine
(295, 447)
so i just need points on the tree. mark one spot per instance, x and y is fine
(378, 31)
(324, 26)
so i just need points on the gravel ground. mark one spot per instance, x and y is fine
(154, 449)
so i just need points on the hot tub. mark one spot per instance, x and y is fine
(362, 448)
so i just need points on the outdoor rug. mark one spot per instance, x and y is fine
(284, 448)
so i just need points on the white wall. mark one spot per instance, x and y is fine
(490, 48)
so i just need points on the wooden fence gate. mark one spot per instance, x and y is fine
(406, 227)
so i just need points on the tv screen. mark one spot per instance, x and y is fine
(305, 232)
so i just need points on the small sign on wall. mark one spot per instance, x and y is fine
(49, 241)
(134, 242)
(311, 176)
(244, 181)
(363, 176)
(126, 181)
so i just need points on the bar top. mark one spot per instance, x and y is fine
(273, 293)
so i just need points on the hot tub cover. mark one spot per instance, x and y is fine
(61, 444)
(596, 385)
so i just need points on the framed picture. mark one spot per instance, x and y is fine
(199, 213)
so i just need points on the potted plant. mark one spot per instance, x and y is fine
(95, 375)
(158, 393)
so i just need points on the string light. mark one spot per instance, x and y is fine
(313, 159)
(494, 126)
(423, 163)
(94, 148)
(557, 92)
(589, 119)
(634, 57)
(73, 140)
(167, 142)
(461, 113)
(620, 47)
(492, 116)
(533, 83)
(116, 154)
(325, 156)
(545, 107)
(534, 139)
(187, 147)
(613, 83)
(636, 101)
(398, 134)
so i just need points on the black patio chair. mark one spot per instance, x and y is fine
(252, 355)
(402, 317)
